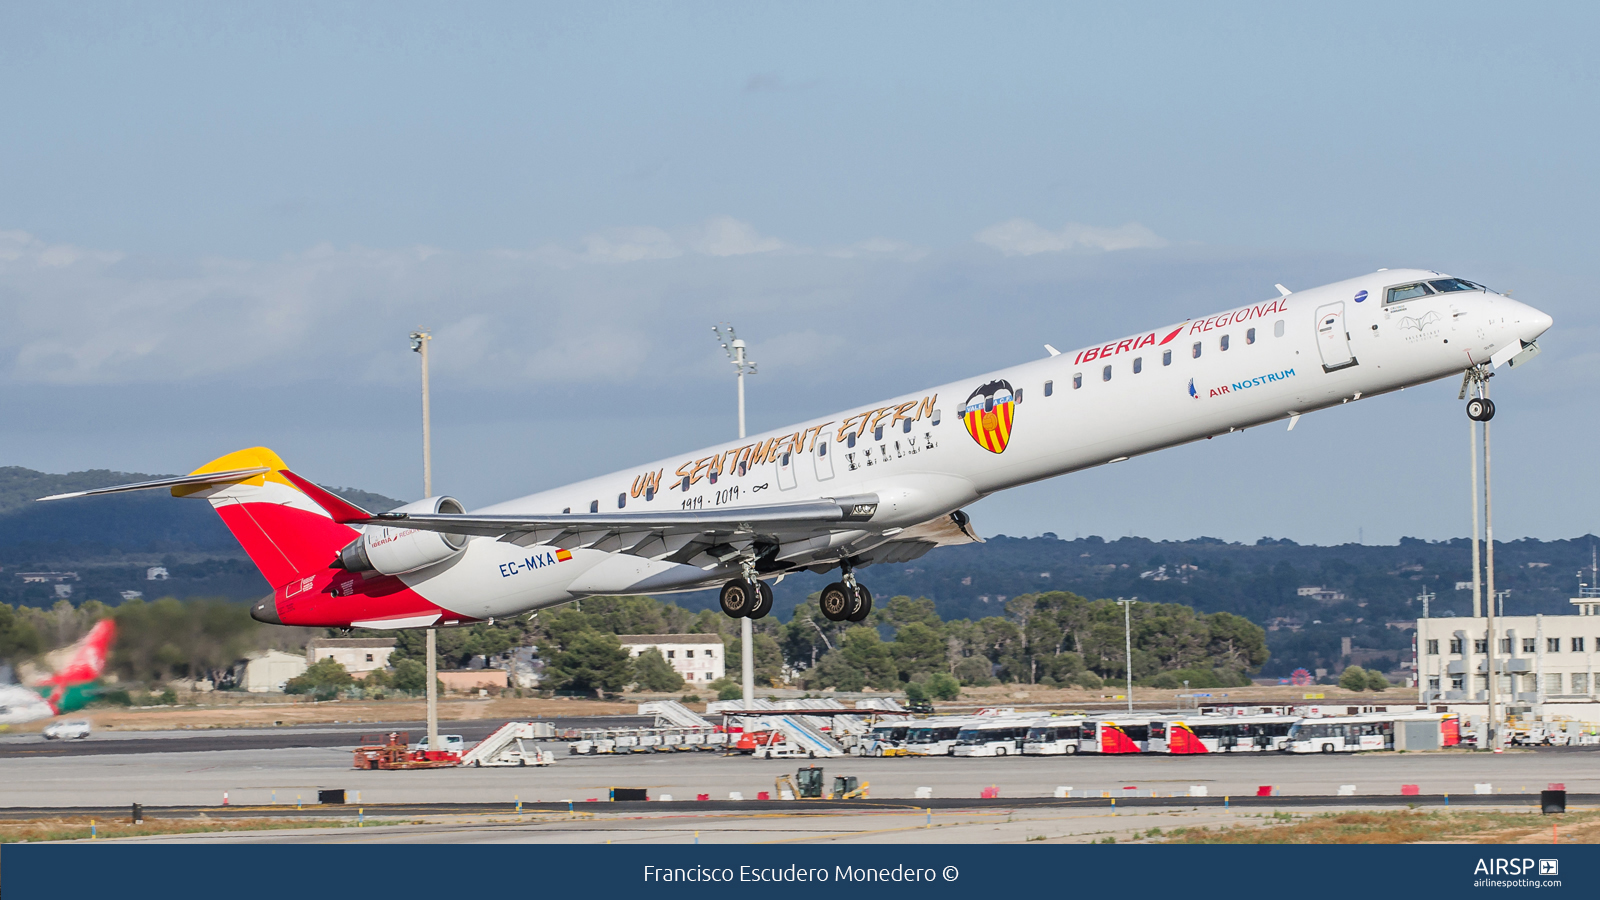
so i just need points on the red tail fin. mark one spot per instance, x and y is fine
(285, 533)
(90, 658)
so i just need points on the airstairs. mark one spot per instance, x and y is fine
(671, 713)
(512, 745)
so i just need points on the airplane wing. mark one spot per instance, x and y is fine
(838, 510)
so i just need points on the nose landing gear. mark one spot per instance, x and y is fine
(1480, 409)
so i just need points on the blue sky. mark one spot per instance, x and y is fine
(219, 223)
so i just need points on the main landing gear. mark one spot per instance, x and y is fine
(746, 597)
(1480, 409)
(845, 600)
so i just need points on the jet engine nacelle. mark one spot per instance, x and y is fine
(394, 550)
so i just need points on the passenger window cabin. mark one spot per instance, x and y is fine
(1105, 374)
(1138, 364)
(1196, 349)
(1077, 380)
(1049, 388)
(1223, 343)
(1250, 336)
(1277, 328)
(1166, 357)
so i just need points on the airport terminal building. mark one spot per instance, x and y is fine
(1544, 661)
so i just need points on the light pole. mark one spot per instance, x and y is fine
(419, 344)
(1488, 555)
(1127, 643)
(734, 347)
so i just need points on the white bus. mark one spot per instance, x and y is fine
(1124, 734)
(1228, 734)
(936, 737)
(1056, 736)
(994, 737)
(890, 737)
(1372, 731)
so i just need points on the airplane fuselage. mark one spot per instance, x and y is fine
(927, 454)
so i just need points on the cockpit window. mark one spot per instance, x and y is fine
(1407, 292)
(1447, 285)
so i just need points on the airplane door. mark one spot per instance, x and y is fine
(786, 471)
(1333, 340)
(823, 455)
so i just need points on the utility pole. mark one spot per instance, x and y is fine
(419, 344)
(735, 347)
(1488, 550)
(1425, 597)
(1127, 643)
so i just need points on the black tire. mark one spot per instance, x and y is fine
(738, 597)
(835, 602)
(863, 604)
(1327, 748)
(763, 601)
(1072, 749)
(1480, 409)
(999, 751)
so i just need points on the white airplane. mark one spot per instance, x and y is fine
(876, 484)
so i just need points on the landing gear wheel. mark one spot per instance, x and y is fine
(763, 603)
(738, 598)
(835, 602)
(1480, 409)
(863, 604)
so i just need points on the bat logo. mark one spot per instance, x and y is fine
(1421, 322)
(988, 414)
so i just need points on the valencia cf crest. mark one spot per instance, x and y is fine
(988, 414)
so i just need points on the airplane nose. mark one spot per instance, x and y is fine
(1534, 324)
(266, 610)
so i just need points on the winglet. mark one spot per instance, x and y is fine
(1283, 290)
(341, 510)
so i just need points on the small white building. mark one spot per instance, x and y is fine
(268, 670)
(697, 657)
(357, 655)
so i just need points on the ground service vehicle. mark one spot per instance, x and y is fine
(885, 740)
(1228, 734)
(1060, 736)
(807, 785)
(935, 737)
(1123, 734)
(67, 730)
(449, 743)
(1374, 731)
(1002, 737)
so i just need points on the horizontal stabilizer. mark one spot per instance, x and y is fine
(183, 481)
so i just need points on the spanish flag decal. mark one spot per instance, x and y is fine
(563, 555)
(988, 414)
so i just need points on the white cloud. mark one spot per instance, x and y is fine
(716, 236)
(1021, 237)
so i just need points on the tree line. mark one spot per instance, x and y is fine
(1053, 638)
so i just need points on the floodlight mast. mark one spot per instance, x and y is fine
(419, 344)
(735, 348)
